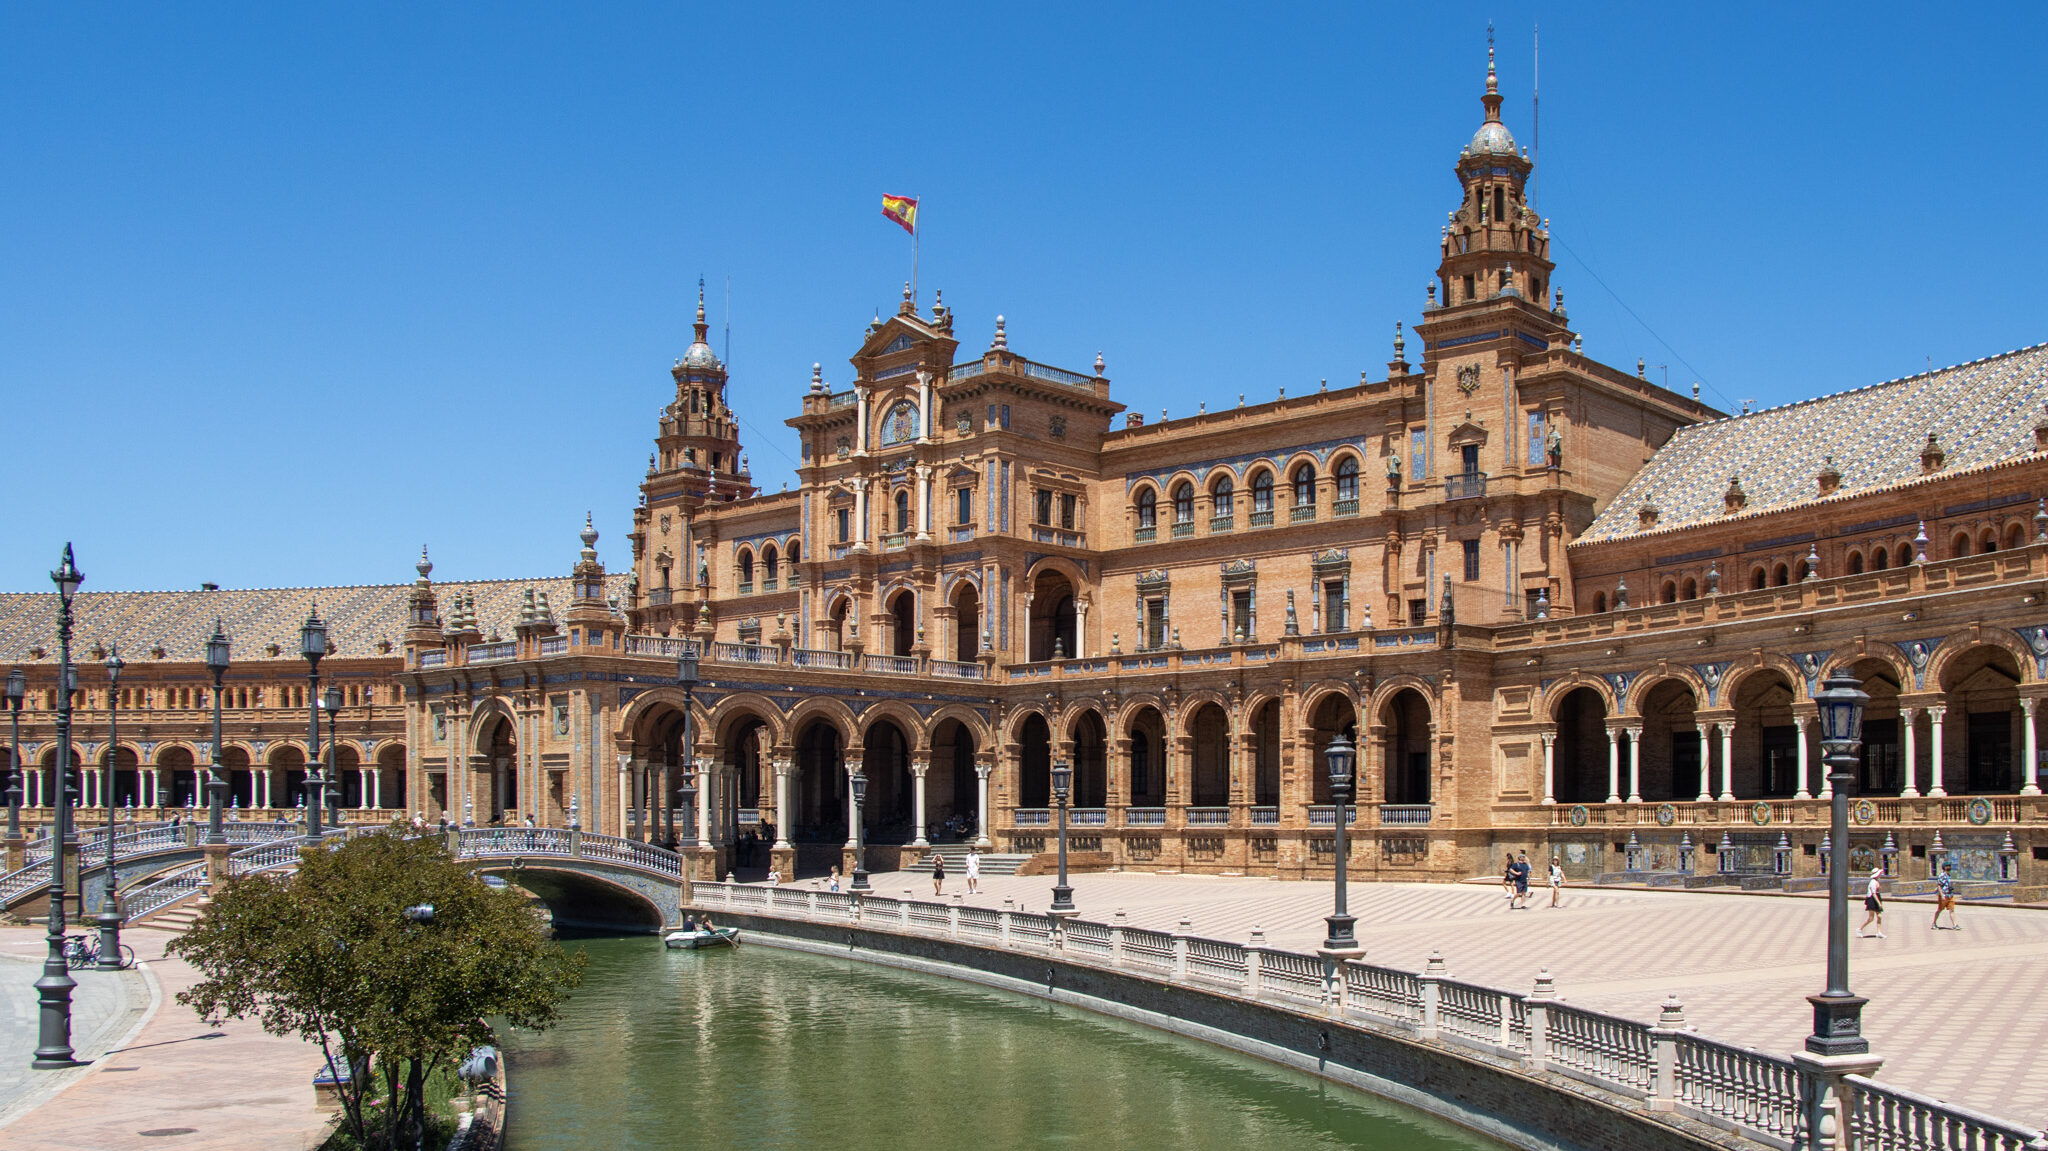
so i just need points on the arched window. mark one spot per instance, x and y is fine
(1347, 478)
(1855, 563)
(796, 551)
(1599, 601)
(1148, 509)
(746, 567)
(769, 564)
(1670, 591)
(1990, 541)
(2015, 537)
(1692, 589)
(903, 510)
(1759, 579)
(1183, 503)
(1262, 492)
(1225, 494)
(1879, 560)
(1905, 555)
(1959, 546)
(1781, 576)
(1305, 486)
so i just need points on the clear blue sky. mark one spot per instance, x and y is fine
(286, 292)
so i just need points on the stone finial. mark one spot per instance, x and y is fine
(1543, 603)
(1931, 456)
(1672, 1016)
(1098, 365)
(1116, 643)
(589, 538)
(1830, 478)
(1920, 544)
(1812, 563)
(1430, 304)
(1646, 516)
(818, 379)
(1546, 987)
(1734, 499)
(1714, 579)
(541, 606)
(1365, 621)
(2041, 523)
(1258, 938)
(1641, 369)
(909, 305)
(1400, 342)
(1578, 345)
(1002, 340)
(1695, 391)
(526, 608)
(1434, 968)
(1293, 622)
(426, 566)
(1557, 302)
(1621, 595)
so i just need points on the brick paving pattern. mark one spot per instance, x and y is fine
(1955, 1014)
(234, 1087)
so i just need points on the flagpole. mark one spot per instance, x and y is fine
(913, 250)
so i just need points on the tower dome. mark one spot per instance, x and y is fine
(700, 354)
(1493, 137)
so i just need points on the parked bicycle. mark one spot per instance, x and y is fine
(84, 951)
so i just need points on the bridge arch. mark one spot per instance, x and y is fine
(583, 899)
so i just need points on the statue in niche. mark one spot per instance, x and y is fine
(1393, 469)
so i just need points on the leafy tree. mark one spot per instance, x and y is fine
(331, 955)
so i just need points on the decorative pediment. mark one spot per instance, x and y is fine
(1240, 571)
(1469, 432)
(1332, 562)
(1154, 580)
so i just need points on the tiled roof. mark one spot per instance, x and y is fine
(357, 618)
(1983, 414)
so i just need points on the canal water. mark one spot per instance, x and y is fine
(761, 1048)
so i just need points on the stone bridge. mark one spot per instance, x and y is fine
(588, 881)
(139, 853)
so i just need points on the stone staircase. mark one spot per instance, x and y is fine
(177, 917)
(955, 855)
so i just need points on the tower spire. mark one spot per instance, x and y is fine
(1492, 97)
(702, 327)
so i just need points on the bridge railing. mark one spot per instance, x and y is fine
(1664, 1067)
(25, 880)
(164, 890)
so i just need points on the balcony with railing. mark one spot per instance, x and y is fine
(1208, 817)
(1405, 814)
(890, 664)
(1325, 815)
(1262, 519)
(660, 597)
(1465, 486)
(1301, 514)
(1219, 524)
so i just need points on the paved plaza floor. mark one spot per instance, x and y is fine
(173, 1084)
(1960, 1015)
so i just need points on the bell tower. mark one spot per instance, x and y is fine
(1494, 244)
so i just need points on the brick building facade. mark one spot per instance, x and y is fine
(1561, 608)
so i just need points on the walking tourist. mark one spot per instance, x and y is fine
(1521, 870)
(832, 880)
(1945, 900)
(938, 873)
(774, 876)
(973, 871)
(1507, 880)
(1556, 880)
(1873, 903)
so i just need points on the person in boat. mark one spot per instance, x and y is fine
(690, 923)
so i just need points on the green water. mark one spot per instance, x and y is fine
(768, 1048)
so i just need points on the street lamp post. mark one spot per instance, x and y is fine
(313, 646)
(860, 843)
(1340, 756)
(1062, 789)
(690, 829)
(332, 798)
(17, 690)
(53, 990)
(110, 916)
(216, 779)
(1837, 1014)
(686, 678)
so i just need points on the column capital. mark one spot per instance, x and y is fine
(919, 766)
(1549, 737)
(2027, 703)
(1937, 711)
(1909, 714)
(1635, 733)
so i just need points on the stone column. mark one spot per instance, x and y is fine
(860, 508)
(1614, 765)
(1934, 717)
(1635, 764)
(625, 794)
(1706, 764)
(860, 441)
(924, 501)
(918, 768)
(1550, 767)
(1799, 724)
(2029, 785)
(852, 813)
(1727, 731)
(1080, 628)
(1909, 724)
(981, 771)
(783, 811)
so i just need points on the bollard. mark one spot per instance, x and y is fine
(1538, 1002)
(1431, 973)
(1664, 1054)
(1180, 950)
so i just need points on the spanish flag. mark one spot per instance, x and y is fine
(903, 210)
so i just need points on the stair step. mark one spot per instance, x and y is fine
(956, 862)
